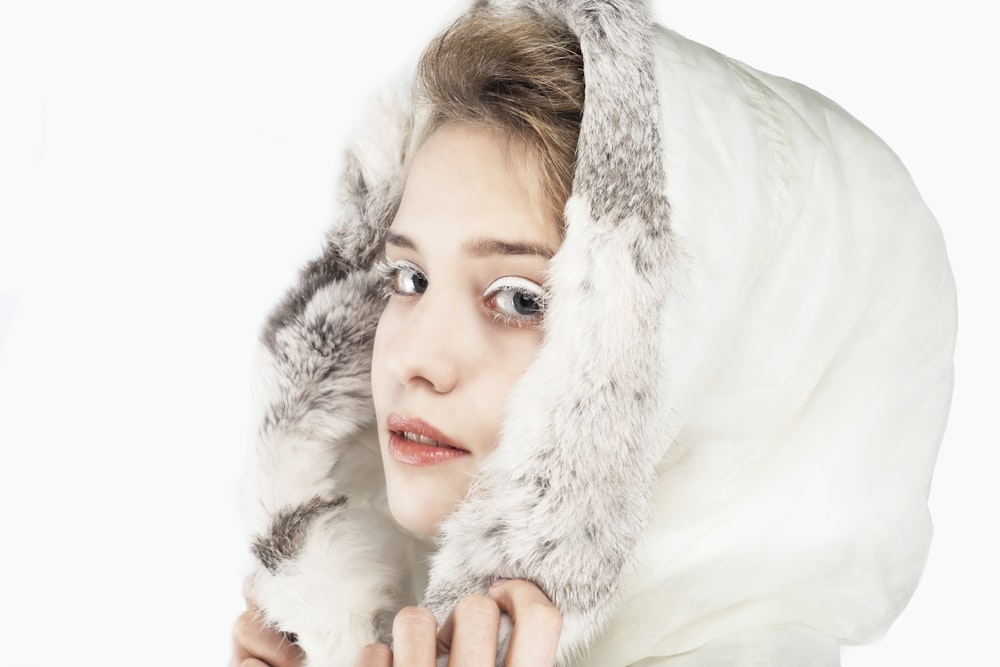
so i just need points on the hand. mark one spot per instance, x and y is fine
(469, 635)
(255, 644)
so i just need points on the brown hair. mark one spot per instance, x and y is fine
(515, 73)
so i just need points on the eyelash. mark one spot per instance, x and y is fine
(510, 321)
(389, 270)
(519, 287)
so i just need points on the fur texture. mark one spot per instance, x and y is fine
(332, 565)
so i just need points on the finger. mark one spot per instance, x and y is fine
(537, 623)
(253, 638)
(374, 655)
(414, 638)
(241, 630)
(252, 606)
(240, 652)
(469, 635)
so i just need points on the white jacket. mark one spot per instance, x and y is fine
(721, 455)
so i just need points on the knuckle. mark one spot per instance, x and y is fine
(417, 619)
(522, 589)
(246, 625)
(380, 653)
(479, 606)
(545, 616)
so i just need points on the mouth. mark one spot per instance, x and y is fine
(415, 442)
(423, 440)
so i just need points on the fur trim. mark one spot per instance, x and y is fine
(331, 566)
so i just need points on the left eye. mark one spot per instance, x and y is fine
(517, 300)
(402, 278)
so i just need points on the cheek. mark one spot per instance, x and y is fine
(379, 370)
(519, 352)
(508, 363)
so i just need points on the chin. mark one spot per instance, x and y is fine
(420, 498)
(415, 517)
(420, 509)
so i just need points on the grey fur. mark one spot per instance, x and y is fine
(288, 531)
(315, 368)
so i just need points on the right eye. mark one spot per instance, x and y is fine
(403, 278)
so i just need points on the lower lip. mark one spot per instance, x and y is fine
(416, 454)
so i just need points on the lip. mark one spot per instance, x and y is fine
(415, 453)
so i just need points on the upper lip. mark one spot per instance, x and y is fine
(399, 424)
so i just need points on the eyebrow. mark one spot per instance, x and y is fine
(481, 247)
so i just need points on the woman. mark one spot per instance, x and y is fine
(467, 251)
(716, 447)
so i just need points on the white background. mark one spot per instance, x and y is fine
(166, 167)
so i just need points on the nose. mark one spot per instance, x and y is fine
(421, 348)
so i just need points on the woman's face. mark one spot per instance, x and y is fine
(465, 261)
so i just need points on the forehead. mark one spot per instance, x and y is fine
(466, 181)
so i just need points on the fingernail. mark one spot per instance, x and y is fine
(498, 582)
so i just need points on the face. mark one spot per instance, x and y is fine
(465, 262)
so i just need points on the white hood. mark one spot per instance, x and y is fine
(809, 368)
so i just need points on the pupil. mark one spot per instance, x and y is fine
(419, 282)
(525, 304)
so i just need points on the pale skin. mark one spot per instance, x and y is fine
(469, 248)
(255, 644)
(469, 635)
(465, 260)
